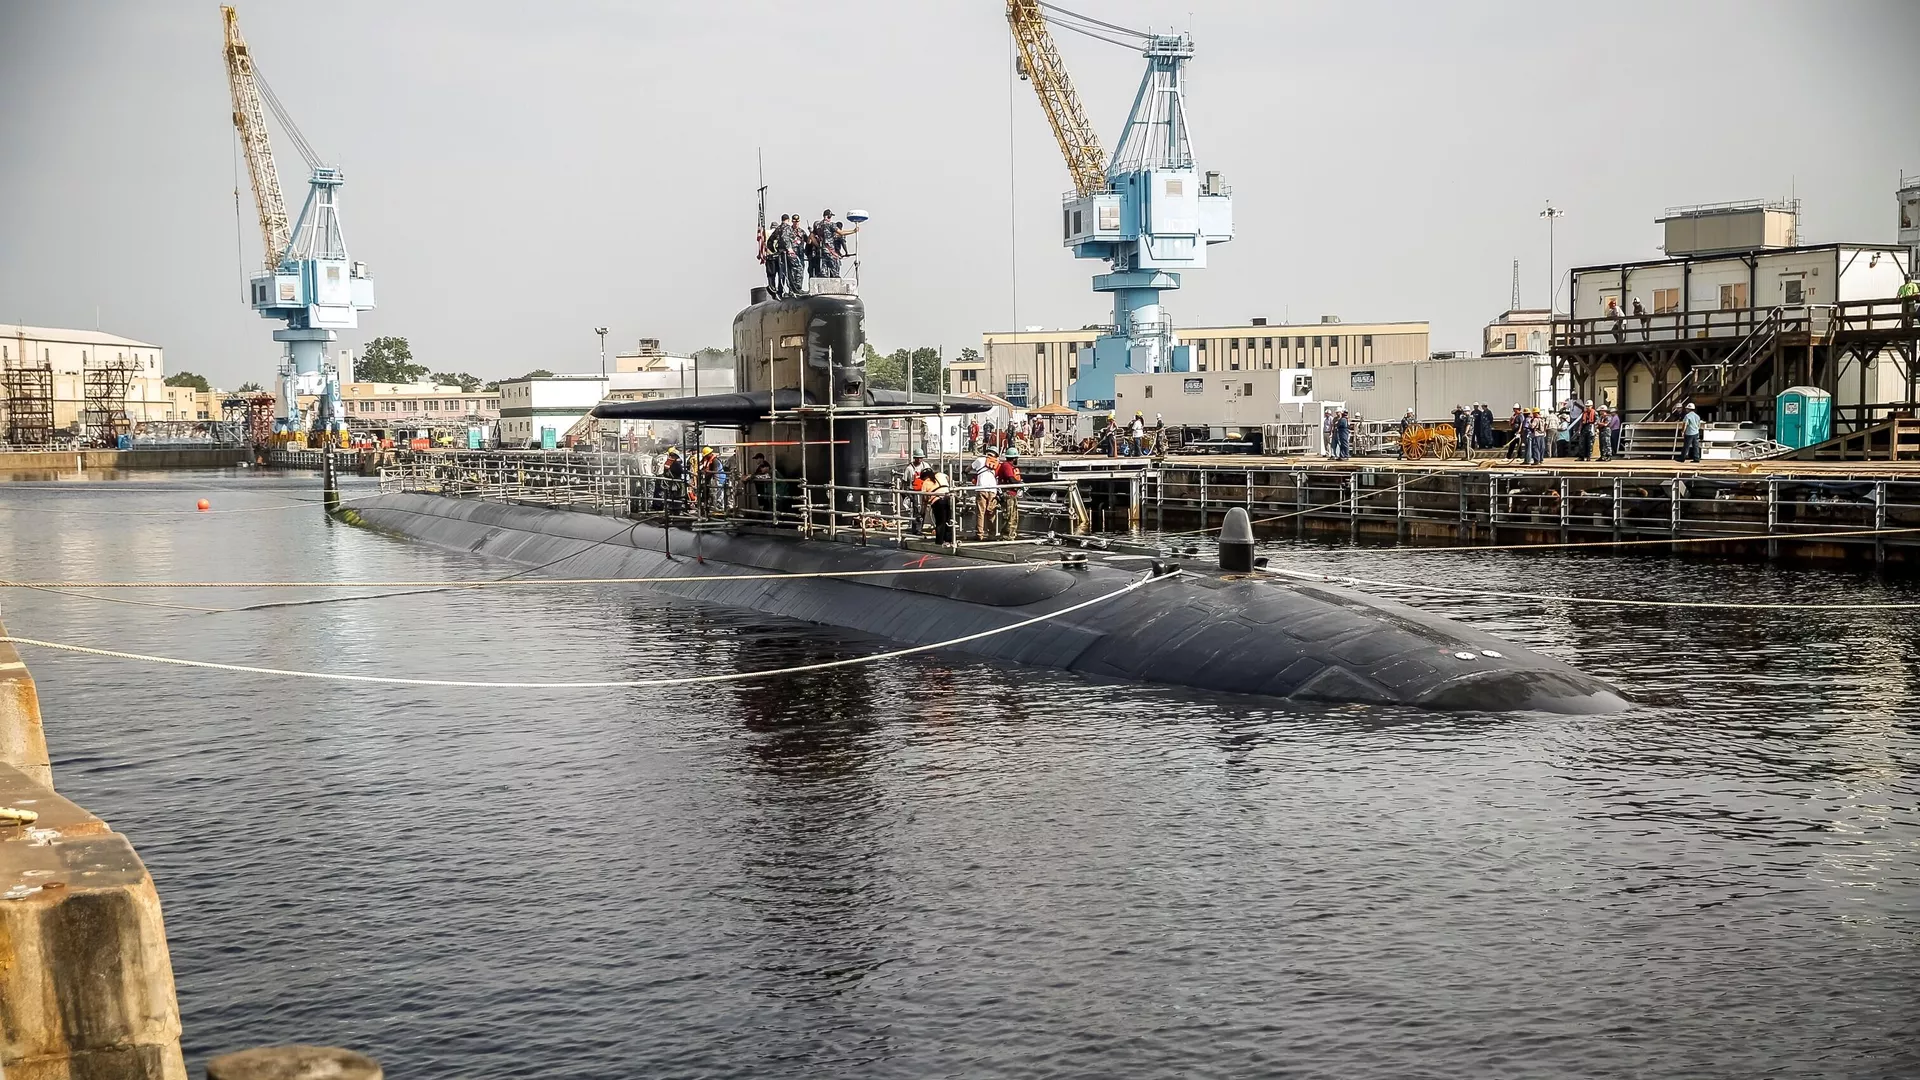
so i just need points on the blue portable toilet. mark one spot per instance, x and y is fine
(1802, 416)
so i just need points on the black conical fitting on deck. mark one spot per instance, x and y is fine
(1236, 542)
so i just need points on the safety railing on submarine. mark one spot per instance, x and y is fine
(634, 486)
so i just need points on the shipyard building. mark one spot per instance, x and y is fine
(1032, 368)
(1741, 310)
(57, 382)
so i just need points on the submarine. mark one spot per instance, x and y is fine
(1216, 625)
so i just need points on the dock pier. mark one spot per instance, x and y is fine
(1754, 509)
(1766, 509)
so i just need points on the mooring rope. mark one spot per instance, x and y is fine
(738, 676)
(1613, 601)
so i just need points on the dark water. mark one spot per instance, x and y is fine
(939, 867)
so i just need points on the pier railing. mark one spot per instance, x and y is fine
(1861, 514)
(1884, 317)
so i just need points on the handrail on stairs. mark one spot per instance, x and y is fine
(1744, 356)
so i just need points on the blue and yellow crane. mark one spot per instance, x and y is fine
(309, 282)
(1146, 211)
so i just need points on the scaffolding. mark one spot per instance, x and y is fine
(29, 404)
(249, 417)
(105, 418)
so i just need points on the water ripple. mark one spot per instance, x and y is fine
(942, 867)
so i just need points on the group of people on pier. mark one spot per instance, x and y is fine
(1583, 431)
(795, 250)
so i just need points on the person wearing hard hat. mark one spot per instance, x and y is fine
(707, 473)
(1007, 475)
(672, 485)
(916, 506)
(1691, 430)
(985, 472)
(1138, 431)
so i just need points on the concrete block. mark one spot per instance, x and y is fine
(86, 984)
(23, 744)
(293, 1063)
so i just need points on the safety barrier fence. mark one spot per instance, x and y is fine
(630, 485)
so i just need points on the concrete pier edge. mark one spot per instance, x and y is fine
(86, 983)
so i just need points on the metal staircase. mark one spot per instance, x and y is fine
(1706, 383)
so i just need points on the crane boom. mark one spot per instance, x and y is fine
(250, 120)
(1079, 144)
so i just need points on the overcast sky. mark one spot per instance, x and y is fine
(520, 173)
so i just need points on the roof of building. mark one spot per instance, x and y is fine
(1195, 333)
(64, 336)
(1741, 253)
(354, 389)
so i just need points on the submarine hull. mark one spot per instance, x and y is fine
(1216, 632)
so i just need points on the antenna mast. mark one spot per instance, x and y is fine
(1514, 304)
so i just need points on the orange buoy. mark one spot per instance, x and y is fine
(204, 504)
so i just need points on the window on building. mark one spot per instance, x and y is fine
(1665, 300)
(1366, 341)
(1040, 350)
(1512, 340)
(493, 403)
(1733, 296)
(1149, 391)
(388, 406)
(1793, 291)
(1246, 390)
(1317, 342)
(1267, 343)
(1299, 343)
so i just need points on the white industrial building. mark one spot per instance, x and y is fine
(531, 407)
(70, 354)
(1250, 399)
(539, 411)
(1037, 367)
(1738, 312)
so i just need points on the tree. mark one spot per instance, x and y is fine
(928, 375)
(968, 355)
(251, 387)
(388, 360)
(188, 378)
(889, 372)
(537, 373)
(464, 381)
(492, 387)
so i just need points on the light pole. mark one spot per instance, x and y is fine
(602, 331)
(1553, 282)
